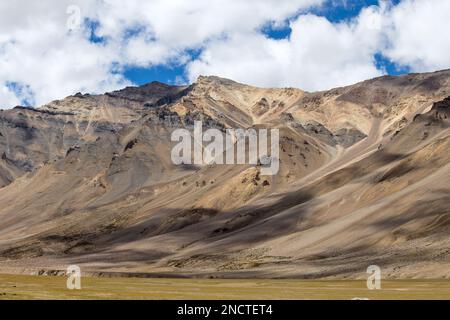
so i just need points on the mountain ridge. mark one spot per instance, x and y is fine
(88, 180)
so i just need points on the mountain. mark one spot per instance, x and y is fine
(364, 179)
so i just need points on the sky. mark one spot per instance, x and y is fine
(50, 49)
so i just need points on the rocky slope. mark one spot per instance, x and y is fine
(364, 179)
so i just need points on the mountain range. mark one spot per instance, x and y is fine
(364, 180)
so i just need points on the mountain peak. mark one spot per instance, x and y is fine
(215, 79)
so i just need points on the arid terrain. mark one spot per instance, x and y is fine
(364, 179)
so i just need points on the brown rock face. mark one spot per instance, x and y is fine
(364, 179)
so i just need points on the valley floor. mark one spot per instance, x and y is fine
(49, 287)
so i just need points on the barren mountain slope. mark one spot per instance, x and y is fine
(364, 179)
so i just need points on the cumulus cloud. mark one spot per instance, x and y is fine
(39, 50)
(43, 51)
(317, 55)
(417, 32)
(188, 23)
(8, 97)
(320, 55)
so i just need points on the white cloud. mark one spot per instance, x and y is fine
(318, 54)
(188, 23)
(418, 34)
(7, 97)
(38, 51)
